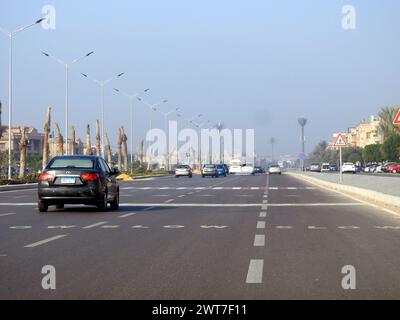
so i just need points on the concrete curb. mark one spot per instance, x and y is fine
(369, 196)
(13, 187)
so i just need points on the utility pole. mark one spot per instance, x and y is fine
(302, 122)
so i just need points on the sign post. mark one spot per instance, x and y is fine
(340, 142)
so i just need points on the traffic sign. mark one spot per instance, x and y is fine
(340, 141)
(397, 119)
(301, 156)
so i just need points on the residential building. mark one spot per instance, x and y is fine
(35, 139)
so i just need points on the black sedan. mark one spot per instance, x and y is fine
(78, 180)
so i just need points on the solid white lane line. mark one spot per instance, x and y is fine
(6, 214)
(259, 240)
(261, 225)
(95, 225)
(127, 215)
(263, 214)
(255, 272)
(39, 243)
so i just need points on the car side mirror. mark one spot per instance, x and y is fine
(115, 172)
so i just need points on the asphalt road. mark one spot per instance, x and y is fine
(261, 237)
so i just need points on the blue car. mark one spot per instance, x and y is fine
(221, 170)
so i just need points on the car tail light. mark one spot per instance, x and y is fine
(90, 176)
(44, 176)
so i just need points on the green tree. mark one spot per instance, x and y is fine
(372, 153)
(386, 126)
(352, 154)
(322, 153)
(391, 147)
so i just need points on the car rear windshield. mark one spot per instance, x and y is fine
(182, 167)
(72, 163)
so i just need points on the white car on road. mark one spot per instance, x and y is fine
(248, 169)
(349, 167)
(274, 169)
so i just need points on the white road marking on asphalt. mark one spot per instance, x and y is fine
(207, 195)
(237, 188)
(388, 227)
(3, 255)
(164, 188)
(259, 240)
(20, 227)
(39, 243)
(255, 272)
(7, 214)
(95, 225)
(316, 228)
(348, 227)
(61, 227)
(264, 207)
(160, 195)
(181, 188)
(110, 227)
(213, 227)
(200, 188)
(255, 188)
(18, 203)
(19, 197)
(140, 227)
(212, 205)
(174, 227)
(218, 188)
(265, 201)
(170, 200)
(284, 227)
(263, 214)
(182, 196)
(148, 208)
(127, 215)
(261, 225)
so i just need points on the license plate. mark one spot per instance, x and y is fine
(67, 180)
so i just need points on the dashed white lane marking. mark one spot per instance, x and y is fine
(259, 240)
(61, 227)
(316, 228)
(95, 225)
(39, 243)
(265, 201)
(7, 214)
(170, 200)
(110, 227)
(140, 227)
(387, 227)
(284, 227)
(263, 214)
(261, 225)
(213, 227)
(236, 188)
(3, 255)
(348, 227)
(20, 227)
(127, 215)
(174, 227)
(182, 196)
(255, 272)
(148, 208)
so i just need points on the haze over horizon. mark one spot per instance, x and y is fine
(259, 64)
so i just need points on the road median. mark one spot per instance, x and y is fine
(372, 197)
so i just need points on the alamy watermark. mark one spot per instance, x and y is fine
(199, 146)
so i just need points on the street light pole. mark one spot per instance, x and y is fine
(302, 122)
(131, 98)
(10, 35)
(102, 84)
(67, 66)
(272, 140)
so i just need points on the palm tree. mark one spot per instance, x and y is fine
(109, 156)
(386, 126)
(98, 145)
(60, 141)
(88, 150)
(47, 125)
(73, 140)
(124, 138)
(23, 144)
(119, 148)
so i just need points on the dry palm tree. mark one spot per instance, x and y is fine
(386, 126)
(60, 141)
(119, 147)
(141, 151)
(124, 139)
(47, 125)
(98, 145)
(73, 140)
(109, 155)
(23, 144)
(88, 150)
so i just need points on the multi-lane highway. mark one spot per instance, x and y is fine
(240, 237)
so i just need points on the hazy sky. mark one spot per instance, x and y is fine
(249, 64)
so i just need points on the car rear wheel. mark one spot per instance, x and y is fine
(115, 203)
(102, 204)
(42, 206)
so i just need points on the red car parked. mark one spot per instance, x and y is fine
(394, 168)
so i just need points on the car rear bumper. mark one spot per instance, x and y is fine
(183, 173)
(70, 194)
